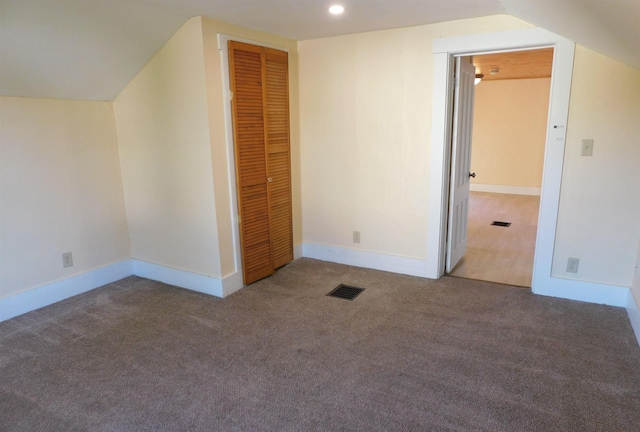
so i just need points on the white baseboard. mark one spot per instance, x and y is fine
(366, 259)
(232, 283)
(633, 309)
(45, 295)
(185, 279)
(297, 251)
(502, 189)
(590, 292)
(54, 292)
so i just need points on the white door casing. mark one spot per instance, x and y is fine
(460, 162)
(444, 51)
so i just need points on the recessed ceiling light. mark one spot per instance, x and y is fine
(336, 9)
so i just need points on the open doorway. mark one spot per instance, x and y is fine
(511, 106)
(444, 52)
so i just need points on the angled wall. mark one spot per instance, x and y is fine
(175, 160)
(69, 167)
(163, 138)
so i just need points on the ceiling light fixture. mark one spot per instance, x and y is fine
(478, 79)
(336, 9)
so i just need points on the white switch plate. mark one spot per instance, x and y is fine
(587, 147)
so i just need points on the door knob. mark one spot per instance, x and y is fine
(270, 179)
(472, 175)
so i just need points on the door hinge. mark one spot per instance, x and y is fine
(230, 95)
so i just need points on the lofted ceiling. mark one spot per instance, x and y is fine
(90, 49)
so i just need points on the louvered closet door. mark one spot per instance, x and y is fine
(261, 132)
(278, 155)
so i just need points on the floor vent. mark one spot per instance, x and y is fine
(346, 292)
(501, 224)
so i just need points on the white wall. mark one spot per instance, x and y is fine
(60, 191)
(600, 202)
(163, 137)
(365, 125)
(175, 158)
(63, 165)
(365, 110)
(509, 132)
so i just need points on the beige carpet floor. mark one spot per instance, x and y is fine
(408, 354)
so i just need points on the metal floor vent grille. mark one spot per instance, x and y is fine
(501, 224)
(346, 292)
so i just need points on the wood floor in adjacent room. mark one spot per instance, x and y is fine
(500, 254)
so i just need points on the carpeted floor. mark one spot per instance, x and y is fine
(408, 354)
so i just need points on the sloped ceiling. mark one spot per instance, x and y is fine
(90, 49)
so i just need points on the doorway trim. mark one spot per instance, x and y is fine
(223, 48)
(444, 51)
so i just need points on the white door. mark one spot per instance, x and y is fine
(460, 162)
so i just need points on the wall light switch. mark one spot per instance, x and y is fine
(587, 147)
(356, 236)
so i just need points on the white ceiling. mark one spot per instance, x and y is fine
(90, 49)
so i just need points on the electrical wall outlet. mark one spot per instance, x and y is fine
(67, 259)
(572, 265)
(356, 236)
(587, 147)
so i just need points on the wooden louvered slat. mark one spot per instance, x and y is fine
(279, 158)
(246, 76)
(259, 82)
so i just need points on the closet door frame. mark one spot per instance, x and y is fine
(223, 41)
